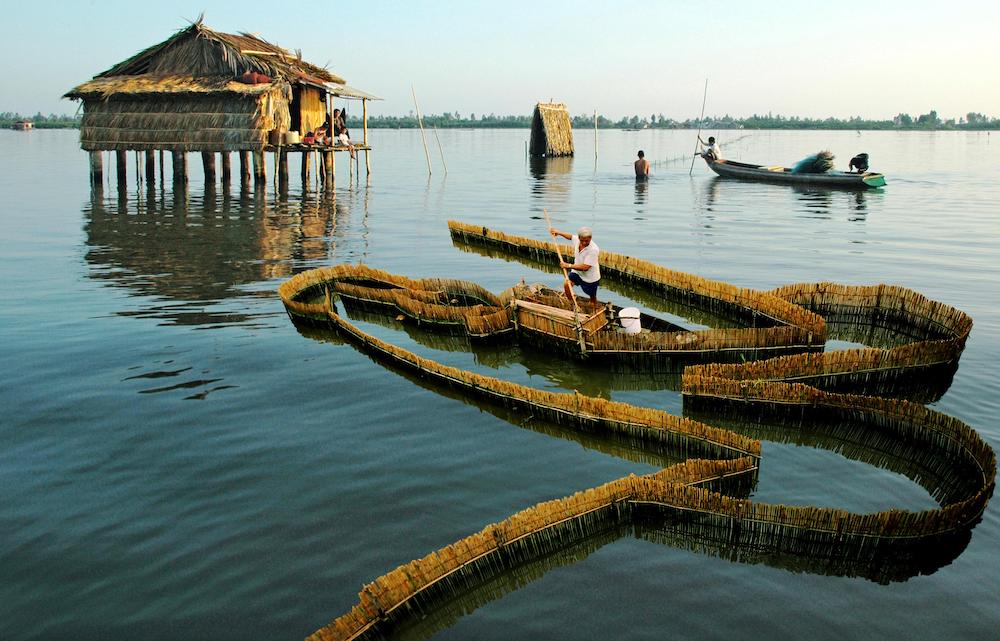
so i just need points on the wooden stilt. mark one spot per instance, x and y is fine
(150, 168)
(161, 168)
(368, 164)
(121, 168)
(96, 168)
(259, 169)
(227, 168)
(306, 162)
(283, 168)
(208, 164)
(329, 170)
(244, 168)
(180, 166)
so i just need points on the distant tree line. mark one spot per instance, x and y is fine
(41, 121)
(929, 121)
(903, 121)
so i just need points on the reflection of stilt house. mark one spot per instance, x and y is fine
(210, 92)
(551, 130)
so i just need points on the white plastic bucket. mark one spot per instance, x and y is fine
(629, 317)
(292, 138)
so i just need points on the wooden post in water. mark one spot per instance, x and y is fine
(441, 150)
(150, 168)
(283, 169)
(227, 168)
(595, 136)
(162, 181)
(364, 116)
(306, 163)
(259, 169)
(180, 166)
(208, 164)
(329, 169)
(420, 121)
(96, 168)
(697, 142)
(244, 168)
(121, 168)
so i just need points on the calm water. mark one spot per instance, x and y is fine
(177, 461)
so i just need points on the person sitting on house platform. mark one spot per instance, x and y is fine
(585, 270)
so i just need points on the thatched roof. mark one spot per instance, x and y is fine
(209, 58)
(103, 86)
(551, 130)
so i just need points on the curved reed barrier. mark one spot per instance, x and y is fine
(698, 493)
(769, 321)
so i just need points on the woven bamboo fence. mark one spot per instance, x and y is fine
(774, 323)
(548, 526)
(942, 453)
(441, 302)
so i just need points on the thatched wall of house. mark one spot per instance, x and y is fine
(180, 114)
(551, 130)
(312, 109)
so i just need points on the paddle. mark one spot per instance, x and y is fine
(700, 118)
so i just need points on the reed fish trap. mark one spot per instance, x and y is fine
(700, 503)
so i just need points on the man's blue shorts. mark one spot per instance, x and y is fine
(590, 289)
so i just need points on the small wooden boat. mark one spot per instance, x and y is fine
(778, 174)
(23, 125)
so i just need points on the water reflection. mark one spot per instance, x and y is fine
(551, 182)
(813, 201)
(185, 250)
(641, 189)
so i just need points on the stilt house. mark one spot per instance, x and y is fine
(203, 90)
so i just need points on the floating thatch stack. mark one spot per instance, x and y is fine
(203, 90)
(551, 130)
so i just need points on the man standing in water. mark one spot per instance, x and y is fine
(641, 167)
(585, 270)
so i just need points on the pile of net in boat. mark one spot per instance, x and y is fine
(818, 163)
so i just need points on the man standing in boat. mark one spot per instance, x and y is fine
(641, 167)
(585, 270)
(710, 150)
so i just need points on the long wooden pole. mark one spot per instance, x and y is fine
(440, 149)
(690, 171)
(572, 296)
(420, 122)
(595, 136)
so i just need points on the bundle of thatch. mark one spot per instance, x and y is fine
(551, 131)
(818, 163)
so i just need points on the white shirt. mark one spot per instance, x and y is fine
(589, 255)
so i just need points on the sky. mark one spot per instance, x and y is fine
(808, 59)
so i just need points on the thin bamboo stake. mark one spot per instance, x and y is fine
(595, 137)
(440, 149)
(703, 98)
(420, 121)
